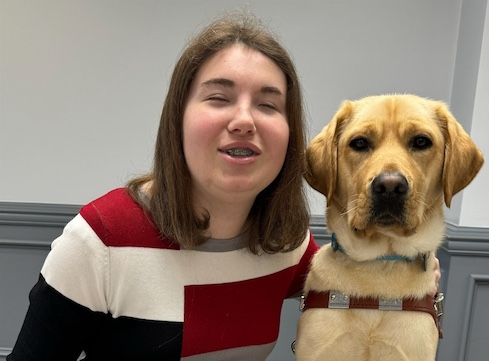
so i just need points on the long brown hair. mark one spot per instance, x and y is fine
(278, 220)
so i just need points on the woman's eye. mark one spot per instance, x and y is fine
(217, 98)
(269, 106)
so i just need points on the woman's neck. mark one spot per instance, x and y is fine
(227, 221)
(228, 215)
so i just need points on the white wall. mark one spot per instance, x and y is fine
(82, 82)
(469, 99)
(473, 211)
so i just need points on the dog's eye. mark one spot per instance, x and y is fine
(359, 144)
(421, 143)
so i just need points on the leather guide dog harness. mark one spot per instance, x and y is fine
(332, 299)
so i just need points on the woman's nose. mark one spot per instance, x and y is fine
(242, 122)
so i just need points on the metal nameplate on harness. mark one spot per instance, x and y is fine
(338, 300)
(390, 304)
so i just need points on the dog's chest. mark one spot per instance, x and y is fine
(365, 335)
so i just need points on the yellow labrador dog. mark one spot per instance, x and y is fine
(386, 164)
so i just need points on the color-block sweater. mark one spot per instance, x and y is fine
(112, 287)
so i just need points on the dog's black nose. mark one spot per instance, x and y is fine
(389, 190)
(390, 185)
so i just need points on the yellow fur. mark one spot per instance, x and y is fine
(344, 175)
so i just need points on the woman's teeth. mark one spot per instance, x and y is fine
(239, 152)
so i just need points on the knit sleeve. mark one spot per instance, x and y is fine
(55, 328)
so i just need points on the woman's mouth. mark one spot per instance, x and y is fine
(238, 152)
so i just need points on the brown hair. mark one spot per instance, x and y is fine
(278, 220)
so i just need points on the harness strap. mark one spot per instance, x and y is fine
(338, 300)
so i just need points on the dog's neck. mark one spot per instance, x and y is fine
(389, 257)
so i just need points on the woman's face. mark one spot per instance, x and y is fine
(235, 129)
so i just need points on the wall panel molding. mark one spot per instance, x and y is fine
(317, 225)
(33, 225)
(4, 352)
(31, 214)
(466, 241)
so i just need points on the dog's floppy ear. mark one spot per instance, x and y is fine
(463, 159)
(322, 154)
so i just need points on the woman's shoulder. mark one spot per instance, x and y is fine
(114, 206)
(115, 197)
(120, 221)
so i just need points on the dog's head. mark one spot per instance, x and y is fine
(387, 162)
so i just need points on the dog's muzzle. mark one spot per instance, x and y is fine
(388, 191)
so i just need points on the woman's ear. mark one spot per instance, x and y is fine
(463, 159)
(322, 154)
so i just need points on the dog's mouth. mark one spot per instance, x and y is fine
(384, 221)
(387, 214)
(387, 219)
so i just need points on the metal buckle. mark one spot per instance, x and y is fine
(338, 300)
(439, 297)
(302, 304)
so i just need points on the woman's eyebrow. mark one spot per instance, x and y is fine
(228, 83)
(271, 90)
(219, 81)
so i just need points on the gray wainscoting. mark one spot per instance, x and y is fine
(464, 260)
(27, 230)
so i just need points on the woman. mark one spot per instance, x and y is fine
(193, 260)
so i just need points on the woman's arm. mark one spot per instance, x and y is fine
(54, 327)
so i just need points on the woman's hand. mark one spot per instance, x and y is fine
(437, 272)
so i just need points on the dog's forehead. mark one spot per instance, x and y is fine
(403, 113)
(393, 108)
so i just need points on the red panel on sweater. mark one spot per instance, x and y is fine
(238, 314)
(130, 226)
